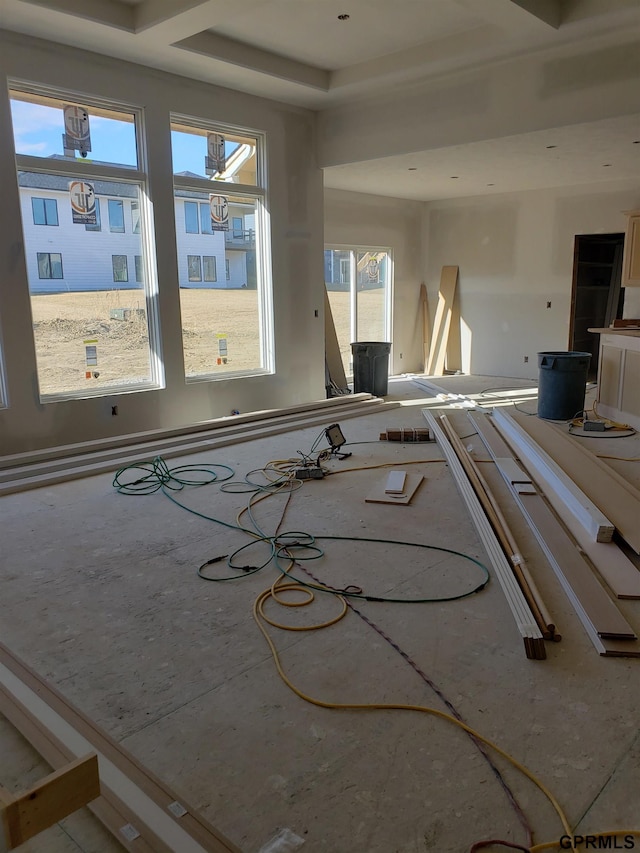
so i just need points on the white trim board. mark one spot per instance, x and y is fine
(523, 617)
(548, 473)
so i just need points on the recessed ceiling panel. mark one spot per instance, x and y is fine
(310, 31)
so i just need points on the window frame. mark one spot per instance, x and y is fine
(79, 169)
(52, 203)
(212, 262)
(98, 225)
(257, 195)
(125, 267)
(116, 204)
(51, 276)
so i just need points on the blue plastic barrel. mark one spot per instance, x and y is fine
(562, 384)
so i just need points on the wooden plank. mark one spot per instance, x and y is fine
(542, 465)
(56, 728)
(379, 495)
(95, 464)
(504, 534)
(442, 321)
(525, 622)
(595, 609)
(618, 572)
(332, 348)
(52, 799)
(424, 310)
(607, 489)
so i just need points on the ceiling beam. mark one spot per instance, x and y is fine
(173, 20)
(255, 59)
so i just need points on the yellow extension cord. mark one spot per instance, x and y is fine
(281, 585)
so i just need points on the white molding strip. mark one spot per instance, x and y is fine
(608, 630)
(548, 473)
(525, 622)
(52, 471)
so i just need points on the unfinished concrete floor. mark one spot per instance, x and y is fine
(100, 595)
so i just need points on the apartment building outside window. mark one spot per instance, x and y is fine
(89, 161)
(222, 224)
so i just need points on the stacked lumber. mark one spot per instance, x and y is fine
(526, 624)
(20, 472)
(608, 630)
(576, 510)
(609, 491)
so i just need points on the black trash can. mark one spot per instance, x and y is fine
(370, 367)
(562, 384)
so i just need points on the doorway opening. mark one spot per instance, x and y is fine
(597, 297)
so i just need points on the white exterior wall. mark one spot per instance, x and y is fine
(295, 209)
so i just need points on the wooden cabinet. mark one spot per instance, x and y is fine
(631, 257)
(619, 375)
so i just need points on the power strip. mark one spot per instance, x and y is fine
(312, 473)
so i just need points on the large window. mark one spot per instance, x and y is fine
(45, 211)
(358, 282)
(221, 225)
(95, 330)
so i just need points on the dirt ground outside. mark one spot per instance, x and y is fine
(216, 325)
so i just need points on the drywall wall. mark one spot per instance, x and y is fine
(356, 219)
(515, 254)
(564, 85)
(295, 206)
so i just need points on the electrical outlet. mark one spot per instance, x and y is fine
(114, 411)
(548, 305)
(526, 359)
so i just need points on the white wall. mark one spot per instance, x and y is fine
(295, 206)
(515, 254)
(357, 219)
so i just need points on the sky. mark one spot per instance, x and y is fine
(38, 130)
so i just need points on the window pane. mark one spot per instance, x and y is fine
(221, 322)
(190, 150)
(98, 225)
(74, 297)
(139, 270)
(205, 219)
(135, 217)
(39, 127)
(337, 277)
(191, 217)
(193, 263)
(44, 265)
(38, 211)
(119, 265)
(116, 216)
(371, 299)
(51, 211)
(209, 263)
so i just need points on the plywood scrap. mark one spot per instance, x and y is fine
(618, 499)
(609, 632)
(424, 312)
(58, 795)
(379, 494)
(333, 358)
(525, 622)
(442, 321)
